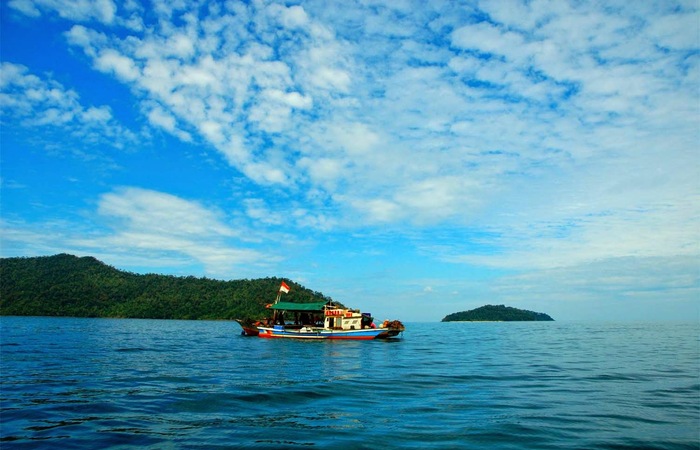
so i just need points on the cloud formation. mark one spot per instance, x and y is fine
(156, 222)
(81, 10)
(284, 92)
(37, 103)
(538, 135)
(149, 228)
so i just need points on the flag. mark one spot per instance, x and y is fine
(284, 288)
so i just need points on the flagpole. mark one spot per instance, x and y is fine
(283, 288)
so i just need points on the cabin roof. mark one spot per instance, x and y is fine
(291, 306)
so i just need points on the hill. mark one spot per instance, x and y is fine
(66, 285)
(499, 313)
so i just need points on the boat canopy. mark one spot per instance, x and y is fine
(291, 306)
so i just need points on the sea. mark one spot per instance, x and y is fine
(70, 383)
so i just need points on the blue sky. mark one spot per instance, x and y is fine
(412, 159)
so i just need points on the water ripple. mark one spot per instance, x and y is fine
(94, 383)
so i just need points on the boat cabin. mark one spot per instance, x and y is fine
(342, 319)
(321, 315)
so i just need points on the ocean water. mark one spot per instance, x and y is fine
(100, 383)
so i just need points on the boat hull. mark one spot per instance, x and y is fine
(324, 333)
(248, 328)
(248, 331)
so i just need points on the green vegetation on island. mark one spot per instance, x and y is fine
(496, 313)
(66, 285)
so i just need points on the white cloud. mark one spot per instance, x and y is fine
(181, 45)
(292, 17)
(291, 99)
(33, 102)
(215, 94)
(516, 14)
(199, 76)
(673, 30)
(158, 213)
(257, 209)
(150, 222)
(380, 210)
(354, 138)
(538, 112)
(79, 10)
(212, 132)
(86, 38)
(331, 79)
(135, 227)
(123, 67)
(324, 171)
(26, 7)
(487, 38)
(161, 119)
(264, 173)
(101, 114)
(435, 197)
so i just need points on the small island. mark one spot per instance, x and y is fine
(496, 313)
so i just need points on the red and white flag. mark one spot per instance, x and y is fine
(284, 288)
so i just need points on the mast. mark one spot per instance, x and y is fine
(283, 288)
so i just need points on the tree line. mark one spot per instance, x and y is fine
(66, 285)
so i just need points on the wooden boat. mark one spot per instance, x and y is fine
(319, 320)
(325, 321)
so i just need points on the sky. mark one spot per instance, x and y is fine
(409, 158)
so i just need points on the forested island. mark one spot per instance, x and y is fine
(496, 313)
(66, 285)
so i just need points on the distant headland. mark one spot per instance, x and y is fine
(66, 285)
(496, 313)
